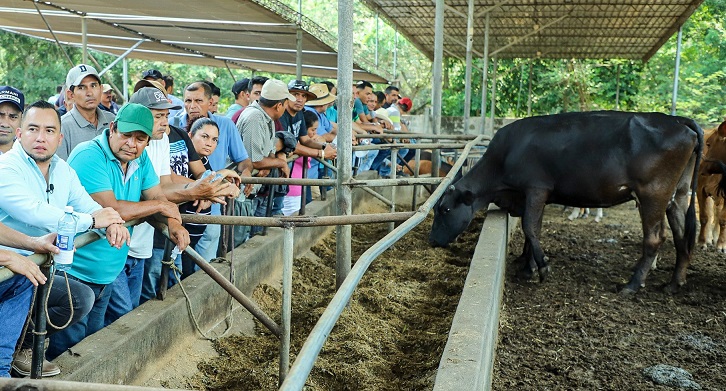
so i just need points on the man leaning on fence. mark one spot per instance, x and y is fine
(116, 171)
(37, 185)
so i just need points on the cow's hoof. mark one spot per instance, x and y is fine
(526, 273)
(672, 288)
(543, 273)
(627, 292)
(598, 219)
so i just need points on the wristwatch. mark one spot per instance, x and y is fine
(324, 145)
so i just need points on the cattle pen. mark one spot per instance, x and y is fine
(122, 364)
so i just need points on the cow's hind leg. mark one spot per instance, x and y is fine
(651, 214)
(531, 225)
(529, 267)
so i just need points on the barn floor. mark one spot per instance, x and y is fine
(574, 332)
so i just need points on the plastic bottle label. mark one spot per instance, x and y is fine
(65, 244)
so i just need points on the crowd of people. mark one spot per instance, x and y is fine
(152, 159)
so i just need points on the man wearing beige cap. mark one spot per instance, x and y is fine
(85, 120)
(257, 126)
(107, 103)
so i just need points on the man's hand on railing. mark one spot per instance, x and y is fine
(209, 189)
(21, 265)
(43, 244)
(118, 235)
(202, 204)
(330, 152)
(178, 234)
(284, 169)
(169, 210)
(105, 217)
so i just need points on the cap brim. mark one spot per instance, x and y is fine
(164, 105)
(130, 127)
(309, 94)
(322, 101)
(16, 104)
(80, 78)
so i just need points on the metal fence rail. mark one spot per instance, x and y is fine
(302, 366)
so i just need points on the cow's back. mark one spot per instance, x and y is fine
(579, 155)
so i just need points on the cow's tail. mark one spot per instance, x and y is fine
(690, 228)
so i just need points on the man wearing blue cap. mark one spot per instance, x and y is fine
(116, 171)
(12, 103)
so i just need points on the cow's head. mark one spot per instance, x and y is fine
(452, 214)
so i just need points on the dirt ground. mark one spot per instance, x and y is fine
(391, 336)
(574, 332)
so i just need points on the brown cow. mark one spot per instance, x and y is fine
(710, 204)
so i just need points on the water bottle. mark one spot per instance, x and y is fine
(66, 234)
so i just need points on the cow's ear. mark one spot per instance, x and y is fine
(467, 198)
(722, 129)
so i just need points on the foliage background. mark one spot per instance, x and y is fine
(37, 67)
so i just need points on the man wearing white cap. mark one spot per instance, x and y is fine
(85, 121)
(107, 103)
(257, 127)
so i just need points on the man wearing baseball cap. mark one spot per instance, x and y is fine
(144, 259)
(12, 102)
(107, 103)
(153, 74)
(85, 120)
(257, 126)
(241, 97)
(116, 171)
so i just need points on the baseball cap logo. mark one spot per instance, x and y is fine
(159, 96)
(82, 68)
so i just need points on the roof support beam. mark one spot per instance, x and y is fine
(485, 71)
(487, 10)
(522, 38)
(121, 57)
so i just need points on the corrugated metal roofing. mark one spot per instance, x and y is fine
(258, 35)
(544, 28)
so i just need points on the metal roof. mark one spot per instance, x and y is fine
(258, 35)
(543, 28)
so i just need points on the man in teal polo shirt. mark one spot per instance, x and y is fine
(116, 171)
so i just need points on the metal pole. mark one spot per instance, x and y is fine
(299, 37)
(395, 56)
(378, 42)
(494, 97)
(678, 68)
(437, 82)
(246, 302)
(519, 92)
(84, 39)
(416, 169)
(617, 88)
(121, 57)
(484, 74)
(345, 131)
(39, 328)
(529, 90)
(126, 79)
(467, 77)
(287, 259)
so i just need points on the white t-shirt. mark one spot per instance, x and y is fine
(142, 239)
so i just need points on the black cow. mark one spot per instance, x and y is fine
(593, 159)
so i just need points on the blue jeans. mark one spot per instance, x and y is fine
(259, 206)
(152, 273)
(208, 244)
(15, 296)
(125, 290)
(89, 324)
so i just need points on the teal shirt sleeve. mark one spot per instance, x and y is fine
(92, 169)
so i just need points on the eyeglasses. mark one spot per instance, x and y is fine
(297, 85)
